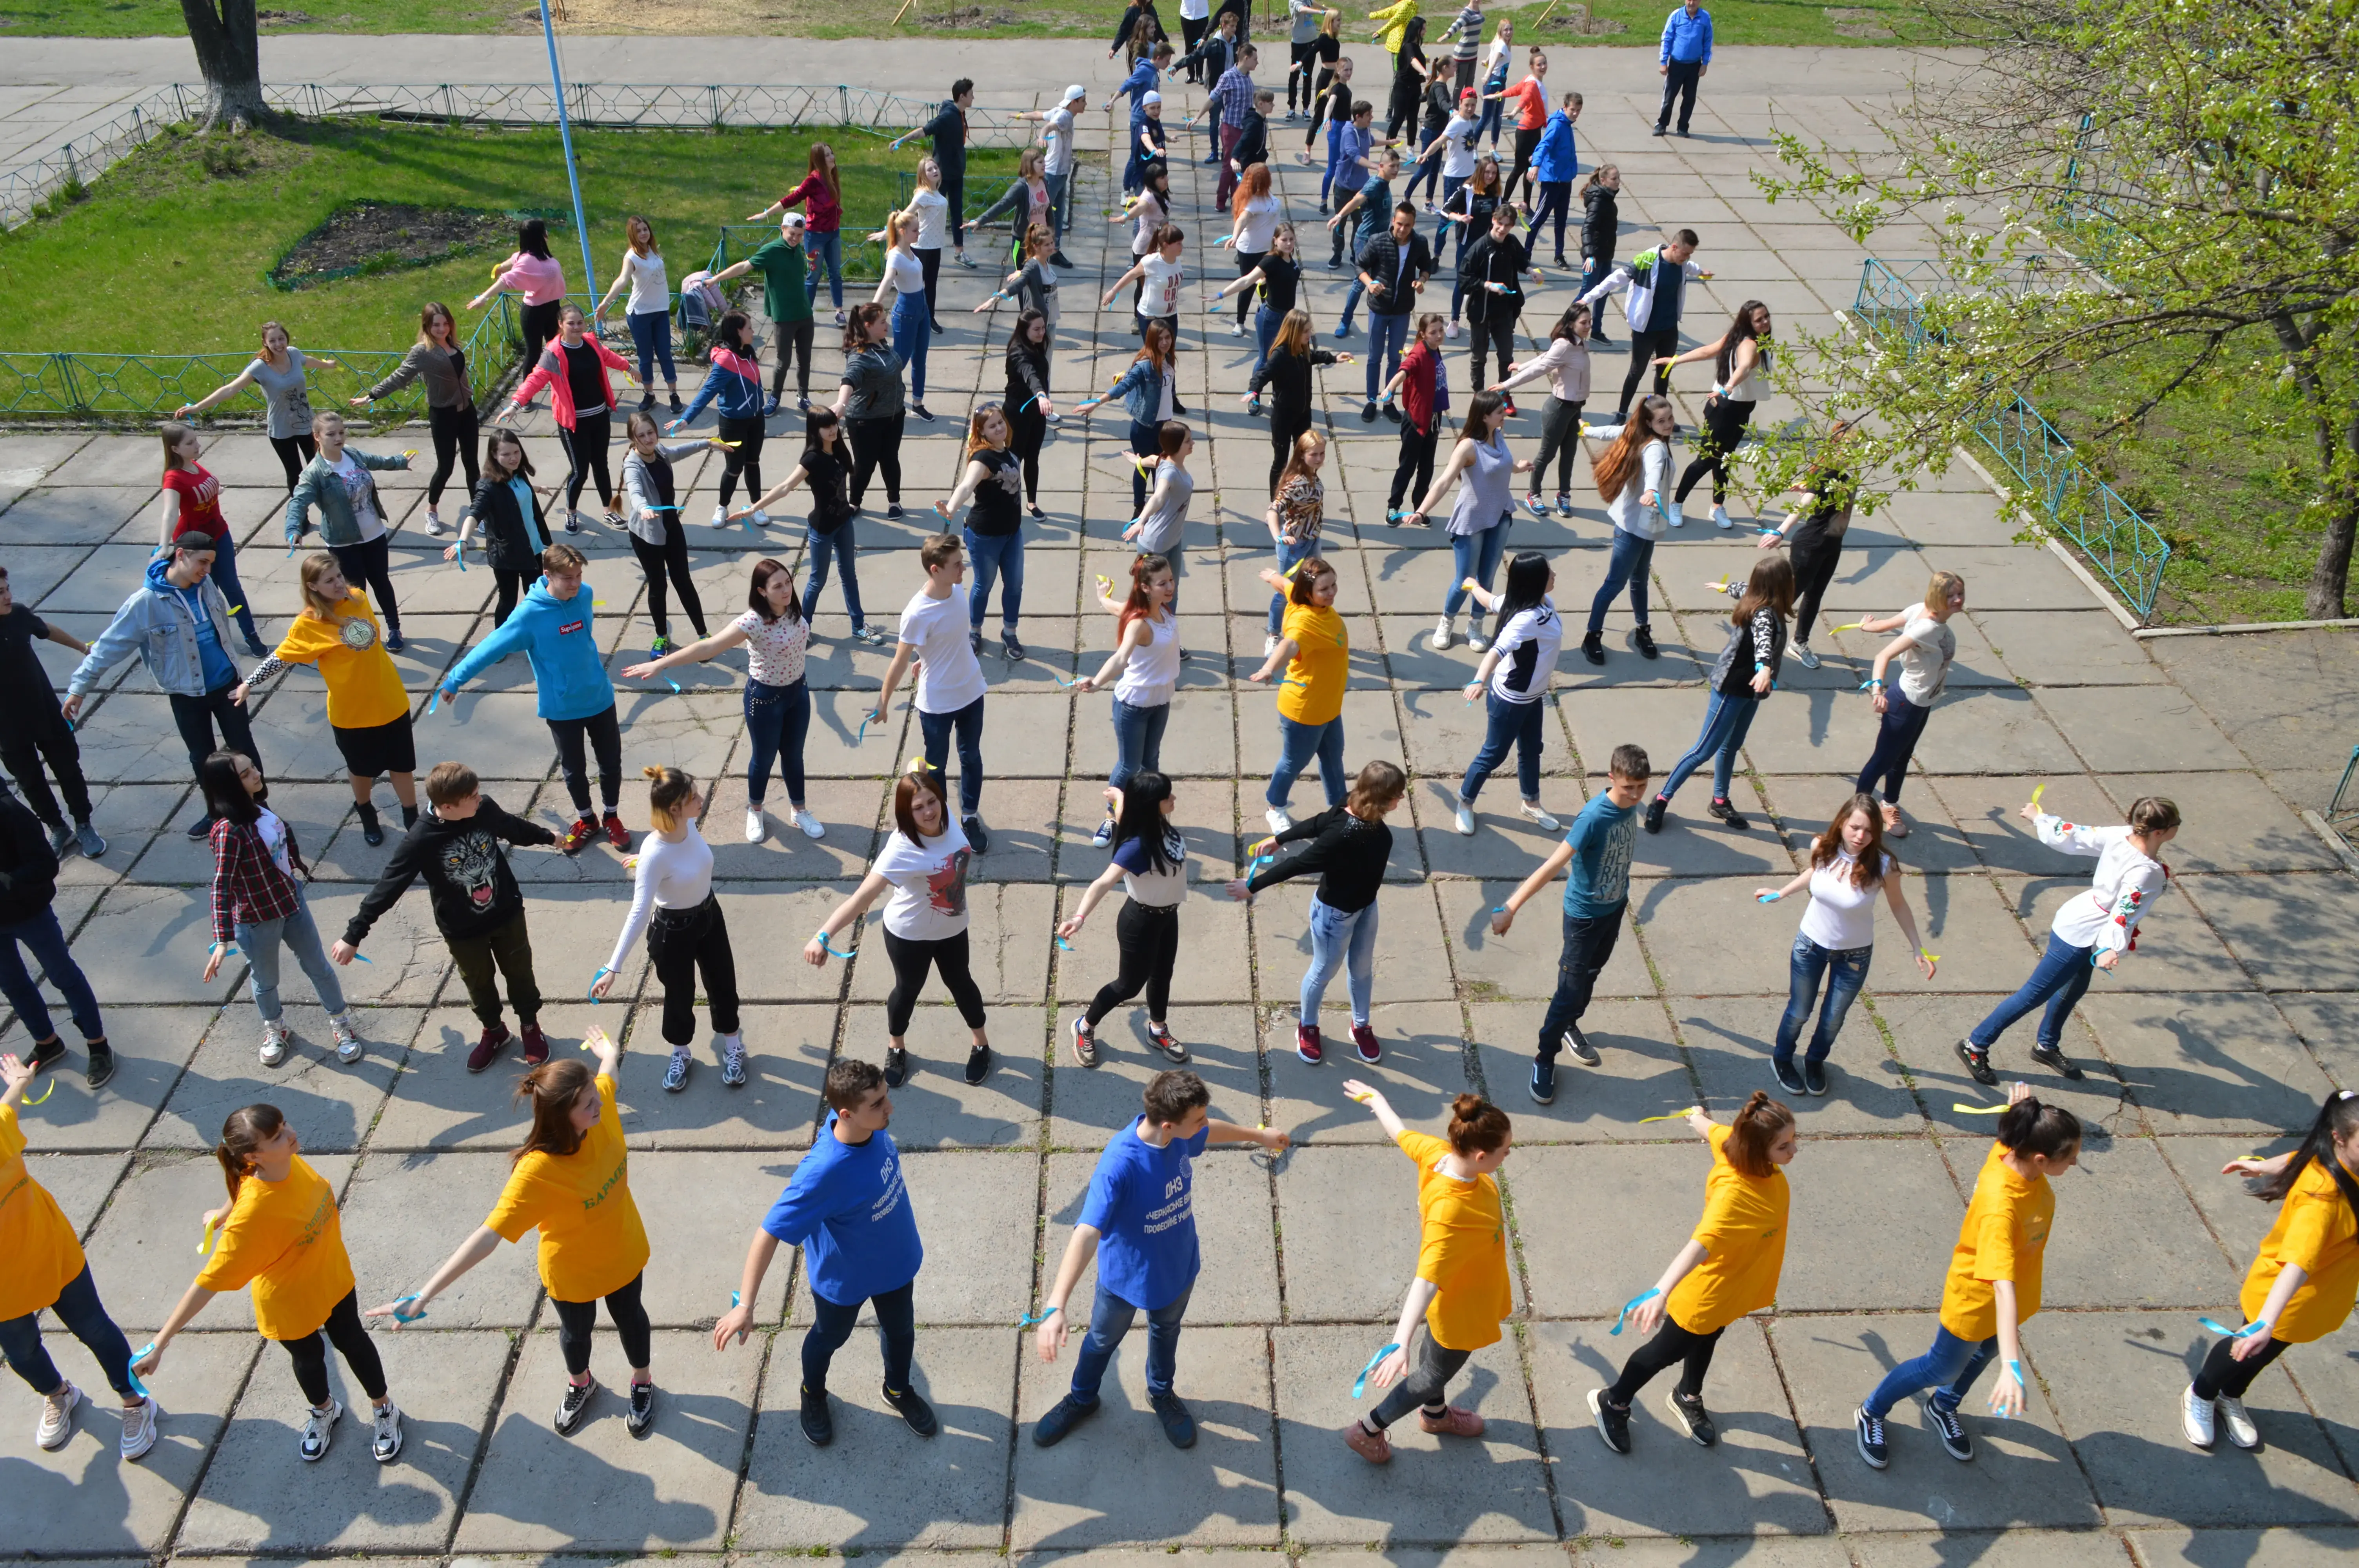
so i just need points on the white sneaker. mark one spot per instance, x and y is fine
(756, 828)
(732, 1059)
(2195, 1419)
(348, 1040)
(319, 1433)
(1803, 656)
(385, 1434)
(1278, 819)
(139, 1429)
(1450, 332)
(1465, 819)
(1475, 641)
(1105, 833)
(1672, 516)
(1538, 817)
(1441, 633)
(434, 523)
(1720, 518)
(761, 519)
(1237, 329)
(57, 1418)
(721, 518)
(274, 1041)
(2241, 1430)
(1268, 644)
(811, 825)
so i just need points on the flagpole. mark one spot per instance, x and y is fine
(565, 134)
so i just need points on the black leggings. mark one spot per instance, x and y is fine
(875, 444)
(575, 1320)
(294, 451)
(1495, 331)
(454, 431)
(910, 959)
(684, 943)
(366, 566)
(1026, 430)
(585, 447)
(1647, 345)
(656, 561)
(352, 1340)
(1561, 439)
(606, 737)
(538, 324)
(1415, 465)
(1305, 60)
(1724, 427)
(1429, 1375)
(746, 457)
(1246, 262)
(2223, 1374)
(930, 264)
(510, 587)
(1148, 935)
(1814, 568)
(1670, 1345)
(1526, 142)
(1284, 431)
(793, 340)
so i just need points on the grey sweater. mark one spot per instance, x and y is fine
(445, 371)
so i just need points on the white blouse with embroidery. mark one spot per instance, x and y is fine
(2127, 881)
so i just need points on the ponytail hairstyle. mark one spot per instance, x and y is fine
(1378, 786)
(735, 332)
(1757, 1127)
(2027, 1127)
(1527, 581)
(244, 1132)
(2337, 1118)
(1307, 573)
(641, 420)
(174, 433)
(1867, 868)
(1574, 314)
(2153, 814)
(1039, 244)
(1770, 584)
(1142, 819)
(555, 1088)
(667, 794)
(1476, 1126)
(1140, 604)
(856, 326)
(1619, 464)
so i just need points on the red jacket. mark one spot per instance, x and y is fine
(1419, 376)
(826, 210)
(550, 373)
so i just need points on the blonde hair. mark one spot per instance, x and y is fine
(318, 605)
(1943, 588)
(668, 790)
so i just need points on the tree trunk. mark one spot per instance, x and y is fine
(230, 55)
(2329, 580)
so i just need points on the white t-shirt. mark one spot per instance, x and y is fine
(1057, 130)
(1258, 229)
(1145, 884)
(937, 628)
(650, 291)
(928, 877)
(1162, 295)
(1528, 647)
(933, 211)
(1925, 663)
(1841, 918)
(357, 487)
(1153, 668)
(1195, 10)
(907, 273)
(1458, 152)
(273, 832)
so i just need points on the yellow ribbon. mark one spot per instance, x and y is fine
(1672, 1117)
(207, 1244)
(1966, 1109)
(45, 1093)
(1850, 626)
(2036, 790)
(1928, 957)
(917, 764)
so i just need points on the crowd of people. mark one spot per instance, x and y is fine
(846, 1205)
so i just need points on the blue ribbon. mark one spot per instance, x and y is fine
(1766, 897)
(432, 703)
(2221, 1329)
(1067, 947)
(1028, 1319)
(137, 1356)
(864, 728)
(603, 972)
(1644, 1295)
(829, 946)
(733, 1298)
(364, 959)
(1360, 1383)
(400, 1316)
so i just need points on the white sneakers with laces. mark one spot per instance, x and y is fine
(385, 1433)
(318, 1432)
(756, 828)
(733, 1060)
(1720, 518)
(348, 1038)
(139, 1428)
(1441, 633)
(1533, 813)
(1464, 819)
(274, 1041)
(57, 1418)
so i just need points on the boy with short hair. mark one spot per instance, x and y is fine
(935, 634)
(1367, 214)
(478, 906)
(1139, 1220)
(1597, 890)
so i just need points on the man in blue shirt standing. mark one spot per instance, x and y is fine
(1140, 1219)
(1597, 851)
(1687, 55)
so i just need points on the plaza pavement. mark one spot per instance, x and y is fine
(2221, 1036)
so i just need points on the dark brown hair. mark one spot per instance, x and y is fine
(1770, 584)
(244, 1132)
(2028, 1127)
(758, 596)
(450, 782)
(1868, 870)
(2153, 814)
(1618, 464)
(554, 1088)
(2338, 1118)
(850, 1083)
(1307, 573)
(905, 791)
(1170, 1097)
(856, 326)
(1756, 1127)
(667, 792)
(1476, 1126)
(1629, 761)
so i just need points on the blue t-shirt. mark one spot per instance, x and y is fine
(219, 671)
(846, 1207)
(1142, 1204)
(1598, 882)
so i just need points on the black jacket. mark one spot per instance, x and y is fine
(1289, 378)
(28, 871)
(511, 545)
(1601, 223)
(1141, 11)
(947, 131)
(467, 877)
(1348, 854)
(1253, 141)
(1378, 258)
(1503, 261)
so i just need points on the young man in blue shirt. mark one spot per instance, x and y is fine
(1597, 851)
(846, 1207)
(1686, 56)
(1139, 1220)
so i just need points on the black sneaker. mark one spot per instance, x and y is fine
(978, 836)
(575, 1405)
(202, 827)
(1011, 647)
(978, 1063)
(1869, 1429)
(1178, 1425)
(643, 1409)
(1787, 1078)
(101, 1065)
(49, 1051)
(1814, 1077)
(817, 1424)
(1543, 1085)
(1977, 1061)
(1063, 1416)
(1644, 640)
(1593, 648)
(1368, 414)
(1954, 1440)
(1612, 1421)
(1691, 1415)
(1578, 1044)
(2055, 1061)
(974, 643)
(914, 1409)
(896, 1067)
(1655, 809)
(1727, 811)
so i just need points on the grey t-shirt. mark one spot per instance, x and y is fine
(283, 390)
(873, 374)
(1159, 532)
(1925, 663)
(1485, 489)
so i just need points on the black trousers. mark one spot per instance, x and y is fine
(793, 340)
(538, 324)
(1527, 144)
(343, 1329)
(454, 431)
(746, 457)
(1191, 33)
(1285, 429)
(1672, 1346)
(1429, 1375)
(1814, 568)
(671, 556)
(369, 565)
(510, 947)
(1644, 348)
(929, 267)
(1027, 430)
(1723, 430)
(585, 449)
(1149, 936)
(1561, 439)
(911, 959)
(605, 735)
(1494, 333)
(576, 1319)
(294, 451)
(1679, 81)
(1402, 110)
(24, 740)
(683, 944)
(1305, 60)
(1414, 475)
(954, 192)
(509, 587)
(195, 718)
(875, 444)
(1246, 262)
(2223, 1374)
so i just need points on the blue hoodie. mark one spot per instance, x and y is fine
(568, 674)
(188, 656)
(1555, 161)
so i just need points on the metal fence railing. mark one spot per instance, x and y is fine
(2118, 541)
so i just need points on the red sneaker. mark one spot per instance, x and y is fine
(535, 1045)
(1454, 1422)
(1373, 1447)
(616, 834)
(581, 832)
(489, 1046)
(1306, 1044)
(1363, 1039)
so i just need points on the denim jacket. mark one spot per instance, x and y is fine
(156, 623)
(320, 487)
(1141, 390)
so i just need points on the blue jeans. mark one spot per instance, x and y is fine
(46, 939)
(1902, 727)
(1949, 1368)
(1806, 964)
(1628, 564)
(832, 1323)
(652, 335)
(1059, 215)
(260, 944)
(225, 573)
(778, 718)
(913, 333)
(1555, 200)
(84, 1316)
(820, 550)
(1388, 336)
(968, 722)
(1147, 440)
(1476, 555)
(1109, 1320)
(1137, 741)
(827, 247)
(1289, 558)
(1298, 743)
(1593, 272)
(1451, 184)
(1492, 110)
(1266, 323)
(1589, 941)
(995, 559)
(1340, 941)
(1335, 164)
(1725, 720)
(1522, 725)
(2063, 975)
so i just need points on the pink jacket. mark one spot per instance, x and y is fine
(541, 281)
(550, 373)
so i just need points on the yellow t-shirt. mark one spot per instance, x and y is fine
(284, 1238)
(591, 1243)
(1323, 660)
(1461, 1249)
(2004, 1237)
(38, 1255)
(2315, 1232)
(363, 688)
(1743, 1230)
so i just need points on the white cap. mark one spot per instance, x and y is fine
(1076, 90)
(789, 220)
(1151, 96)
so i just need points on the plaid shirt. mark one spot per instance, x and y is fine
(248, 886)
(1234, 92)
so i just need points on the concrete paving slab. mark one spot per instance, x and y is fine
(1729, 1040)
(1409, 941)
(1986, 811)
(1523, 962)
(1842, 1183)
(846, 809)
(439, 1104)
(1373, 1191)
(332, 1103)
(1090, 1105)
(970, 1204)
(1906, 1548)
(2194, 952)
(786, 1070)
(380, 1203)
(80, 1183)
(2278, 926)
(2165, 731)
(2085, 648)
(2245, 828)
(1642, 1071)
(936, 1108)
(2133, 1194)
(1233, 1211)
(152, 1045)
(704, 1204)
(2268, 694)
(1010, 934)
(2172, 1547)
(1575, 1205)
(1996, 730)
(85, 515)
(1925, 1031)
(2209, 1063)
(1423, 1068)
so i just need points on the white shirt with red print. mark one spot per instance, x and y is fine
(2126, 883)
